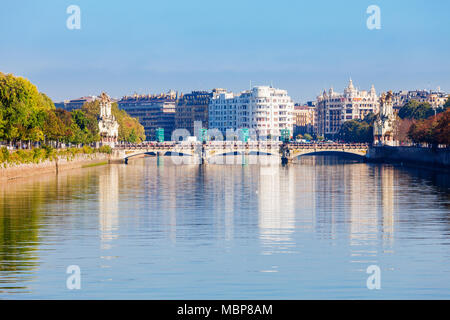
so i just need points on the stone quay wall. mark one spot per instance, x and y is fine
(18, 171)
(432, 158)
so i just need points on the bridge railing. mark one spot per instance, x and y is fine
(190, 145)
(337, 146)
(238, 145)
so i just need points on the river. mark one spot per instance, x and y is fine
(155, 230)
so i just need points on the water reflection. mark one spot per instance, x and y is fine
(172, 225)
(31, 210)
(108, 199)
(276, 194)
(19, 228)
(386, 175)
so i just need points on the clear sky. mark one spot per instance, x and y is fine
(153, 46)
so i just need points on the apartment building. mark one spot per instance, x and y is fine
(333, 109)
(265, 109)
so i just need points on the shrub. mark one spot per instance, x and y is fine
(4, 155)
(87, 150)
(105, 149)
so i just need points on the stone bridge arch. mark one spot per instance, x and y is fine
(294, 154)
(235, 152)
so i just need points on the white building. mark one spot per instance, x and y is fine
(263, 109)
(333, 109)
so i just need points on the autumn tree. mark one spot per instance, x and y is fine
(401, 130)
(434, 130)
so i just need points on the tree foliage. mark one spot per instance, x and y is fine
(415, 110)
(22, 109)
(29, 115)
(434, 130)
(402, 129)
(357, 130)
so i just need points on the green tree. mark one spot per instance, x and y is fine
(53, 127)
(356, 131)
(415, 110)
(132, 137)
(67, 129)
(88, 127)
(22, 109)
(370, 118)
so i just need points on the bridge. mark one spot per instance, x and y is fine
(196, 152)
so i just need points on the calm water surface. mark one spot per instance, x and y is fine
(155, 230)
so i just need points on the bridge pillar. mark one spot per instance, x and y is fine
(285, 153)
(203, 159)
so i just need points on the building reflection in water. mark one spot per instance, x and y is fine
(305, 195)
(229, 197)
(224, 193)
(349, 199)
(108, 193)
(387, 204)
(276, 194)
(360, 195)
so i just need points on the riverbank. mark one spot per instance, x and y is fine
(52, 166)
(414, 156)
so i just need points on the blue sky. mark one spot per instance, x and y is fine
(153, 46)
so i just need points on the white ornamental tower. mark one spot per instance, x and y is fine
(108, 126)
(383, 128)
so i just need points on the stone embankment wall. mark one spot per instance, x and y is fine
(438, 158)
(18, 171)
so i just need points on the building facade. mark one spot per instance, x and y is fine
(333, 109)
(70, 105)
(264, 109)
(153, 112)
(192, 107)
(434, 98)
(304, 118)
